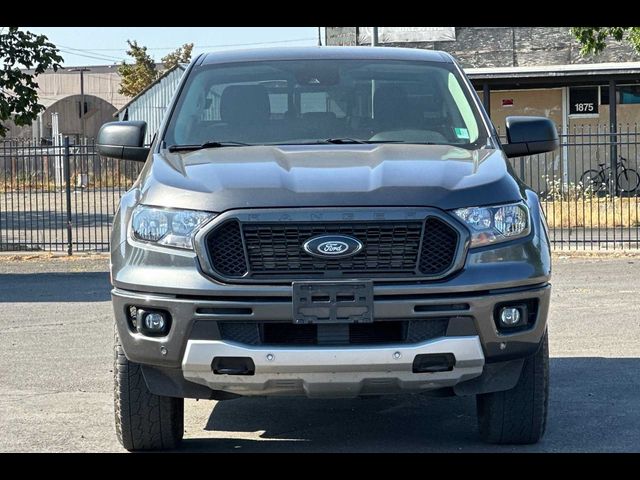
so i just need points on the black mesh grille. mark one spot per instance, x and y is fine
(289, 334)
(241, 332)
(225, 249)
(421, 330)
(274, 250)
(438, 247)
(375, 333)
(277, 248)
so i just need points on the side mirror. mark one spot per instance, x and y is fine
(530, 135)
(123, 140)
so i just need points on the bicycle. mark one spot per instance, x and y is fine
(627, 179)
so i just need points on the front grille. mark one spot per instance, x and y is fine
(226, 251)
(274, 250)
(375, 333)
(277, 248)
(438, 247)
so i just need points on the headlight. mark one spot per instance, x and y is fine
(495, 224)
(171, 228)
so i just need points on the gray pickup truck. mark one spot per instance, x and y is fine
(328, 222)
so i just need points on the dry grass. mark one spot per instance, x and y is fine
(575, 205)
(559, 254)
(604, 212)
(51, 256)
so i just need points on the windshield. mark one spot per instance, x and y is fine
(325, 101)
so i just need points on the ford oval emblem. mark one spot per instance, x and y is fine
(336, 246)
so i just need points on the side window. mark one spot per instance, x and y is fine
(338, 103)
(362, 104)
(313, 102)
(211, 110)
(279, 103)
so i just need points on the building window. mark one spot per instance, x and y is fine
(625, 95)
(86, 108)
(629, 95)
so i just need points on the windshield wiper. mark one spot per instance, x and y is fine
(336, 141)
(346, 140)
(342, 140)
(211, 144)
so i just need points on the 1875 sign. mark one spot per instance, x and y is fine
(583, 101)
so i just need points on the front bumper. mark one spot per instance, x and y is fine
(471, 336)
(331, 371)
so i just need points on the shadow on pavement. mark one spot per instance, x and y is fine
(55, 287)
(593, 406)
(20, 221)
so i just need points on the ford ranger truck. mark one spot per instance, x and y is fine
(328, 222)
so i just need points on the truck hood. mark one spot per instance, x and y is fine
(329, 175)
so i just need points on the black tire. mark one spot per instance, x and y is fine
(518, 416)
(628, 181)
(594, 180)
(144, 421)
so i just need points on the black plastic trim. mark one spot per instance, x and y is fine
(334, 214)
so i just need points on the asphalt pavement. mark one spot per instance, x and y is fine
(56, 359)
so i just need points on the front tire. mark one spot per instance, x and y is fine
(144, 421)
(518, 416)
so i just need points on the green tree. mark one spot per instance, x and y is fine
(179, 55)
(18, 94)
(138, 75)
(593, 40)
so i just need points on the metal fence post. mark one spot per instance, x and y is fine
(613, 137)
(67, 177)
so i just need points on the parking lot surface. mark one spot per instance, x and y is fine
(56, 359)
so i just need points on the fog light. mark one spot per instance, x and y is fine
(510, 316)
(154, 322)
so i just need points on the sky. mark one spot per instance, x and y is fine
(107, 45)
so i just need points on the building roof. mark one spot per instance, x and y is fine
(181, 66)
(548, 75)
(334, 53)
(50, 99)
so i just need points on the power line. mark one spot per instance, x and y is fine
(88, 56)
(103, 59)
(200, 46)
(106, 57)
(258, 43)
(93, 53)
(96, 56)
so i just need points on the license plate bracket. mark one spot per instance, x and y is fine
(333, 302)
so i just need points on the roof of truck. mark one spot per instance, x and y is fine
(333, 53)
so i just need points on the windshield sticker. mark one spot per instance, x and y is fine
(462, 133)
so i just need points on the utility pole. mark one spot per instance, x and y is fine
(81, 70)
(374, 36)
(319, 37)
